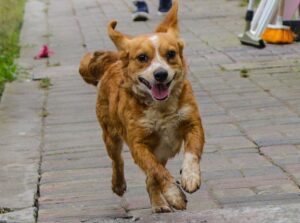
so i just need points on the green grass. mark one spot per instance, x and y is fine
(45, 83)
(11, 16)
(244, 3)
(4, 210)
(244, 73)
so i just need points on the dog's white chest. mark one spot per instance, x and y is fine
(166, 126)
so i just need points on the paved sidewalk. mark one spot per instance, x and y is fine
(249, 100)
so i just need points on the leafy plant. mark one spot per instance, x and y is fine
(11, 12)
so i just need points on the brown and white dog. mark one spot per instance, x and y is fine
(145, 100)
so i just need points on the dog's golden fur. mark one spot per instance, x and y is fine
(154, 128)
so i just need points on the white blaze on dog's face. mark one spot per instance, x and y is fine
(155, 64)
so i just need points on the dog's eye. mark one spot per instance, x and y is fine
(143, 58)
(171, 54)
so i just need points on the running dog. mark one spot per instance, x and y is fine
(145, 100)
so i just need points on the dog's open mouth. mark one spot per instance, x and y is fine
(159, 91)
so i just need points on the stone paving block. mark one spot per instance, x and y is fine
(211, 148)
(278, 189)
(296, 178)
(87, 134)
(221, 194)
(288, 161)
(262, 171)
(71, 99)
(261, 113)
(272, 139)
(76, 187)
(76, 156)
(200, 201)
(135, 202)
(80, 143)
(249, 124)
(49, 199)
(88, 203)
(221, 174)
(221, 130)
(71, 127)
(56, 151)
(234, 142)
(214, 162)
(261, 200)
(280, 151)
(76, 163)
(242, 151)
(67, 90)
(71, 78)
(218, 119)
(253, 103)
(248, 182)
(249, 160)
(257, 65)
(26, 215)
(50, 72)
(74, 175)
(280, 141)
(208, 109)
(68, 107)
(293, 167)
(274, 134)
(82, 214)
(286, 93)
(69, 198)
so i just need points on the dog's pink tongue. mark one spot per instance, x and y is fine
(160, 91)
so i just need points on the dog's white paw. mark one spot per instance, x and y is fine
(190, 174)
(175, 197)
(190, 180)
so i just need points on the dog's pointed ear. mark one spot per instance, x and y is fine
(170, 22)
(120, 40)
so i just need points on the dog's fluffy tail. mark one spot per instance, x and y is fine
(93, 65)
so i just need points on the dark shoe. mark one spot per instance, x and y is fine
(164, 6)
(142, 12)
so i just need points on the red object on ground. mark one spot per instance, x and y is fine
(43, 53)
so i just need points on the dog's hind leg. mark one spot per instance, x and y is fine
(114, 146)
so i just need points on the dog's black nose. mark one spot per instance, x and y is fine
(160, 74)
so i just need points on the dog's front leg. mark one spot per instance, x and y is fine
(194, 142)
(158, 202)
(163, 191)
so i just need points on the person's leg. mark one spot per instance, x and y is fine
(164, 6)
(141, 13)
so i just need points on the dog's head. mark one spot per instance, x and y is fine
(154, 62)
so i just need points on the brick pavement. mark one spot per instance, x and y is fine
(252, 154)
